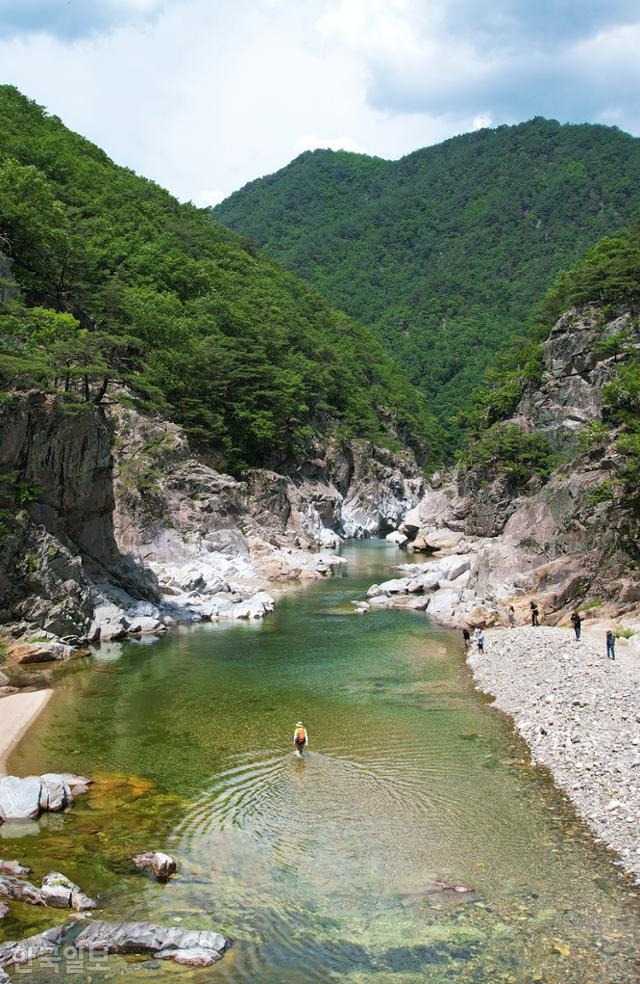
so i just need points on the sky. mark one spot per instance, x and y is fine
(205, 95)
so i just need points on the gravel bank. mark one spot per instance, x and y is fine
(580, 715)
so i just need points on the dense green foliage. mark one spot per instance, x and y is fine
(507, 449)
(120, 282)
(445, 252)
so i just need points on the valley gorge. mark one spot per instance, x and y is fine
(227, 507)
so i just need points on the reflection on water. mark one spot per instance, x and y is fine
(324, 868)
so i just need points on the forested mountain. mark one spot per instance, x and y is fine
(120, 283)
(606, 284)
(445, 251)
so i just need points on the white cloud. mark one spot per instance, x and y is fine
(204, 96)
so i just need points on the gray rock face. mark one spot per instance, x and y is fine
(570, 394)
(546, 542)
(100, 555)
(199, 948)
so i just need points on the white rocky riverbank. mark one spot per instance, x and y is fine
(580, 715)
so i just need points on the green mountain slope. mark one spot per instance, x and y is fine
(444, 252)
(121, 282)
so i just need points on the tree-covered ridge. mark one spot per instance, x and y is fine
(445, 251)
(121, 282)
(607, 278)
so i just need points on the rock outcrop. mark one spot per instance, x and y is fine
(553, 542)
(125, 532)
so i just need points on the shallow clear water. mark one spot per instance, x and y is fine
(321, 869)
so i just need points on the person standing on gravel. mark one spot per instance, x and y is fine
(534, 614)
(576, 621)
(478, 635)
(512, 617)
(611, 645)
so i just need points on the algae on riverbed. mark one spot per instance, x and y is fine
(324, 869)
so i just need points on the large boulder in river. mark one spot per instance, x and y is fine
(198, 948)
(38, 652)
(26, 799)
(59, 892)
(20, 798)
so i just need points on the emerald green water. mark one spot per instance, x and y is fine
(322, 869)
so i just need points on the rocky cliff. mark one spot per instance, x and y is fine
(560, 543)
(121, 530)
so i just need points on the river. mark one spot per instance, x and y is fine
(322, 869)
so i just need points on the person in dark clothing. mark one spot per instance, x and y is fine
(534, 613)
(611, 645)
(512, 617)
(576, 621)
(466, 635)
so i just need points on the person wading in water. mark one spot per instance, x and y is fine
(300, 739)
(466, 635)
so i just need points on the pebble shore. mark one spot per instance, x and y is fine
(580, 715)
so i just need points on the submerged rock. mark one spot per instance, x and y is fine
(4, 911)
(162, 865)
(14, 953)
(459, 889)
(13, 868)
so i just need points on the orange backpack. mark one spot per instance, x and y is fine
(301, 736)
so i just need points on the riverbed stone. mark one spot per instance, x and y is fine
(162, 865)
(55, 793)
(14, 953)
(38, 652)
(4, 911)
(20, 798)
(21, 891)
(165, 943)
(13, 868)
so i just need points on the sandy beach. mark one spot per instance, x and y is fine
(580, 715)
(17, 713)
